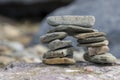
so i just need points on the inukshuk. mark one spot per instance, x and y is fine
(79, 27)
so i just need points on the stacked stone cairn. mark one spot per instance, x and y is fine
(79, 27)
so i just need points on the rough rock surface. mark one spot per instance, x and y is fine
(79, 71)
(86, 21)
(106, 13)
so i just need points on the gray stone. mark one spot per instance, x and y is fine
(68, 52)
(91, 40)
(107, 15)
(52, 36)
(86, 21)
(88, 35)
(59, 61)
(102, 58)
(58, 44)
(103, 43)
(97, 50)
(71, 29)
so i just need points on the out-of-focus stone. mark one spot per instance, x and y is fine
(58, 44)
(52, 36)
(97, 50)
(6, 60)
(85, 21)
(59, 61)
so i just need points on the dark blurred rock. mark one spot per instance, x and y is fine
(29, 8)
(107, 17)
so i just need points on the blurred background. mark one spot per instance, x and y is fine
(22, 22)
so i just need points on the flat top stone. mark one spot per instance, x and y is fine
(86, 21)
(52, 36)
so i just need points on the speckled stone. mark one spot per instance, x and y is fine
(68, 52)
(85, 21)
(58, 44)
(102, 58)
(52, 36)
(59, 61)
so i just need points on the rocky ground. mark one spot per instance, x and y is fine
(79, 71)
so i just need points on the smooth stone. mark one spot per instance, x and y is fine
(97, 50)
(91, 40)
(88, 35)
(59, 61)
(86, 21)
(71, 29)
(52, 36)
(59, 44)
(68, 52)
(102, 58)
(103, 43)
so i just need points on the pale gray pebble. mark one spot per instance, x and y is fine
(52, 36)
(58, 44)
(85, 21)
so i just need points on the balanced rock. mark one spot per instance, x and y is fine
(71, 29)
(53, 36)
(91, 40)
(102, 58)
(64, 60)
(58, 44)
(88, 35)
(97, 50)
(98, 44)
(86, 21)
(68, 52)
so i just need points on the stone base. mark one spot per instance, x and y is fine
(59, 61)
(106, 58)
